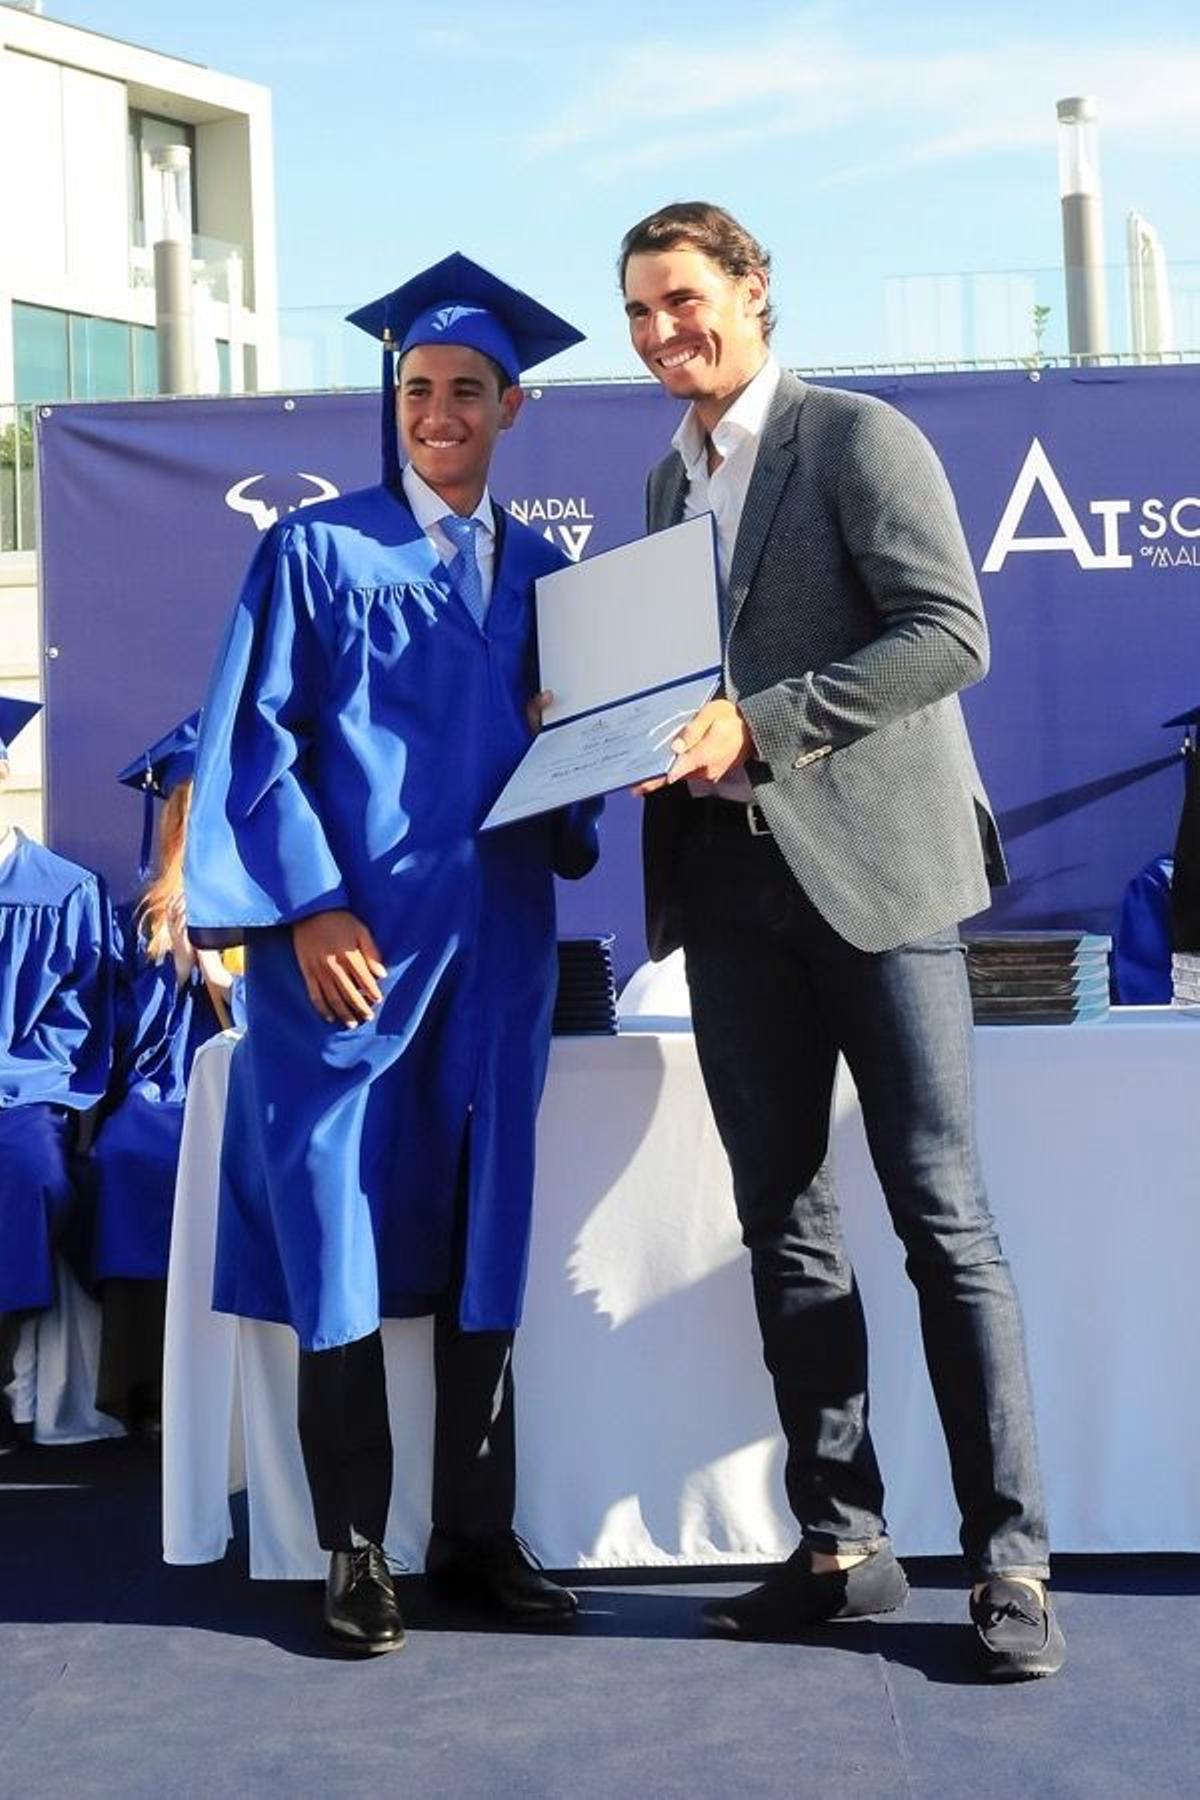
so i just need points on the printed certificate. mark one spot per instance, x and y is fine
(629, 644)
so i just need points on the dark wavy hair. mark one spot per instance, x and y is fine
(700, 226)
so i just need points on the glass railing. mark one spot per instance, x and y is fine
(1018, 318)
(318, 349)
(965, 320)
(217, 263)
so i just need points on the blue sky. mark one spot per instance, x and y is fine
(863, 143)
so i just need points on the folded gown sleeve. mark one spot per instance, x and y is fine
(257, 850)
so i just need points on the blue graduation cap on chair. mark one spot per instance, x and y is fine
(457, 301)
(158, 771)
(14, 716)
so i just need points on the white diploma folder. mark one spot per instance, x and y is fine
(629, 644)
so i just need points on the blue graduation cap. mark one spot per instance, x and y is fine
(457, 301)
(14, 716)
(158, 771)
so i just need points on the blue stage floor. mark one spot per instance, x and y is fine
(119, 1676)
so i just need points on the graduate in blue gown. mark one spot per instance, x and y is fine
(55, 1050)
(170, 999)
(1160, 909)
(371, 698)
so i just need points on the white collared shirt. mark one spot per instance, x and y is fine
(428, 508)
(735, 437)
(9, 839)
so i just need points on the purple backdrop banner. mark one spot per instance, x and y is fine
(1079, 494)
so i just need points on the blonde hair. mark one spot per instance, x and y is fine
(167, 885)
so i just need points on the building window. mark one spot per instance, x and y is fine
(100, 359)
(147, 132)
(41, 360)
(68, 356)
(145, 360)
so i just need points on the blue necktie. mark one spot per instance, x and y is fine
(464, 569)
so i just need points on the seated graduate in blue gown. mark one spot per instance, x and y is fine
(170, 999)
(56, 1029)
(1141, 955)
(1160, 908)
(372, 696)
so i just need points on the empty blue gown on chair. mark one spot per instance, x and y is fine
(56, 1028)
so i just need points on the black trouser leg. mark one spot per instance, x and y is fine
(474, 1440)
(346, 1441)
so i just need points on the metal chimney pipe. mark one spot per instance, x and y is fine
(1083, 226)
(173, 270)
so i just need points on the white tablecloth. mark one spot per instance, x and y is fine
(646, 1428)
(55, 1367)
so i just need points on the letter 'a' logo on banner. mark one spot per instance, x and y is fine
(239, 499)
(1037, 472)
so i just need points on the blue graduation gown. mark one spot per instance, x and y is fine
(160, 1024)
(55, 1051)
(358, 728)
(1142, 940)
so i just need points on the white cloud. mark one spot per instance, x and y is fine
(658, 106)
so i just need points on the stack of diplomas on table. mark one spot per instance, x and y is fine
(1037, 977)
(629, 645)
(1185, 978)
(586, 1005)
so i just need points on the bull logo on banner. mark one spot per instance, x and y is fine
(240, 499)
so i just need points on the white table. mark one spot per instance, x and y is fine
(646, 1427)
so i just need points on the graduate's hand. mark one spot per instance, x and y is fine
(341, 966)
(716, 740)
(536, 707)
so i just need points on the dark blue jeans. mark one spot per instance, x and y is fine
(776, 994)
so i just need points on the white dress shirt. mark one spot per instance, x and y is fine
(735, 438)
(428, 508)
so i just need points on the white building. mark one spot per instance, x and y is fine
(80, 116)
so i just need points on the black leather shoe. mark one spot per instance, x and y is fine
(792, 1597)
(497, 1575)
(1017, 1635)
(360, 1602)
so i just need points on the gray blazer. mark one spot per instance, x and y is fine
(852, 620)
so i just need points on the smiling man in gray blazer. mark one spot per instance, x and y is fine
(821, 833)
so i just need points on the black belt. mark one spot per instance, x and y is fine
(712, 814)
